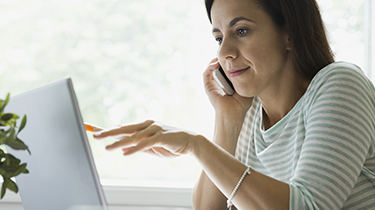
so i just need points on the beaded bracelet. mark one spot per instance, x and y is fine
(229, 201)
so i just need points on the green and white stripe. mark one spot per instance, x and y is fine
(324, 147)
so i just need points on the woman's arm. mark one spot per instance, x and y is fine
(257, 191)
(230, 113)
(206, 195)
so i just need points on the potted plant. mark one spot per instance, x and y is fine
(10, 166)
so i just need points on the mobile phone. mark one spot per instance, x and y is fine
(223, 81)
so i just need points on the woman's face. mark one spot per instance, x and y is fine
(252, 50)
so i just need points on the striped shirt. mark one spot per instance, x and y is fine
(324, 147)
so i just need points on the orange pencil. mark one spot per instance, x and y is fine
(92, 128)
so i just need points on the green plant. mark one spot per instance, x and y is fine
(10, 166)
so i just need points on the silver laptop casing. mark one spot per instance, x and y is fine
(62, 174)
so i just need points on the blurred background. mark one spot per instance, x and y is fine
(133, 60)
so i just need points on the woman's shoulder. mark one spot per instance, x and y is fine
(341, 73)
(339, 81)
(340, 69)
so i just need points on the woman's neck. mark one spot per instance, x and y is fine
(279, 103)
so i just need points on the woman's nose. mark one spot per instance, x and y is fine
(227, 50)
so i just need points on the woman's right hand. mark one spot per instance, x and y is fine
(221, 102)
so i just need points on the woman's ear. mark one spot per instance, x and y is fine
(288, 42)
(286, 37)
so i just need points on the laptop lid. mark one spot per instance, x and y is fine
(62, 170)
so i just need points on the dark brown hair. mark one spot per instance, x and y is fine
(303, 22)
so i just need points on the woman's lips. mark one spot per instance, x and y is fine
(237, 72)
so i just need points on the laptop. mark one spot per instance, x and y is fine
(62, 169)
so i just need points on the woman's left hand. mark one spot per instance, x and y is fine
(150, 137)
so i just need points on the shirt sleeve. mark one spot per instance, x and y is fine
(339, 131)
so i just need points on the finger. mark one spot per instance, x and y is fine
(132, 140)
(143, 145)
(210, 85)
(207, 74)
(123, 130)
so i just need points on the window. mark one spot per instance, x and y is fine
(134, 60)
(345, 23)
(129, 61)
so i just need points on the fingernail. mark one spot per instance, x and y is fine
(97, 133)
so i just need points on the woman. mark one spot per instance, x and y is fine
(299, 132)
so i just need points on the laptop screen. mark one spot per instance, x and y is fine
(62, 170)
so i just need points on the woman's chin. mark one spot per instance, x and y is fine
(245, 90)
(243, 93)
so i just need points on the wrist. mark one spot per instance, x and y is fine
(231, 116)
(196, 145)
(229, 124)
(227, 129)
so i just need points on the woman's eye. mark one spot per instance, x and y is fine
(219, 40)
(241, 32)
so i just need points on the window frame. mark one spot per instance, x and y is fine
(369, 39)
(120, 197)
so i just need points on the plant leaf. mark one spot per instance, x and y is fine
(17, 144)
(7, 99)
(4, 103)
(23, 123)
(3, 136)
(12, 135)
(19, 170)
(9, 170)
(27, 148)
(12, 167)
(3, 188)
(2, 171)
(10, 184)
(6, 117)
(25, 171)
(11, 160)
